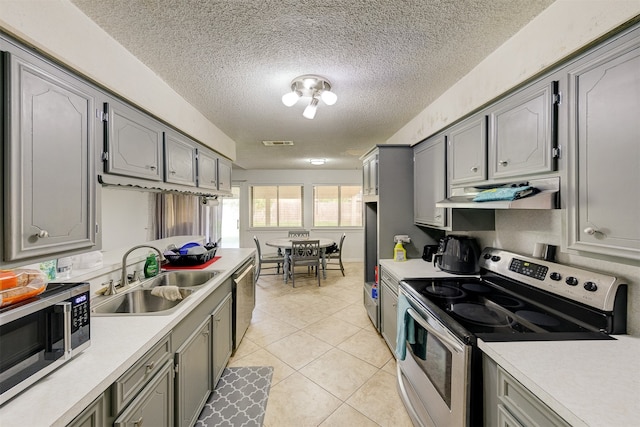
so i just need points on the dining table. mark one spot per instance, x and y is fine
(284, 243)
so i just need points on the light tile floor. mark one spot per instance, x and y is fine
(331, 367)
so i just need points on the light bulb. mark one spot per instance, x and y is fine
(310, 111)
(290, 98)
(317, 162)
(329, 97)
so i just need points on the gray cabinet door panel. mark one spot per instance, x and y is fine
(429, 181)
(467, 151)
(193, 375)
(607, 142)
(207, 170)
(50, 157)
(224, 175)
(522, 133)
(134, 143)
(222, 338)
(180, 160)
(154, 405)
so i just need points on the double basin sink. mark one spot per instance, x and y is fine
(141, 299)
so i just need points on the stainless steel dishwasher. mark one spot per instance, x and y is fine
(244, 300)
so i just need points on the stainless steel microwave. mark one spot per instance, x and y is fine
(41, 334)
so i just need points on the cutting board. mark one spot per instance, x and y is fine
(191, 267)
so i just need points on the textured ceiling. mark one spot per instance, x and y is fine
(386, 60)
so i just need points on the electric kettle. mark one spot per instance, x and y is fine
(458, 255)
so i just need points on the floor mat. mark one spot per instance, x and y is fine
(240, 398)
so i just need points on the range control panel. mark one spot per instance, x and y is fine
(591, 288)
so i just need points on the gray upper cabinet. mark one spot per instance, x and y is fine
(429, 183)
(604, 142)
(522, 132)
(179, 159)
(370, 176)
(133, 143)
(207, 170)
(49, 160)
(224, 175)
(467, 150)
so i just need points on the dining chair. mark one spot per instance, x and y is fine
(333, 256)
(304, 253)
(267, 259)
(298, 233)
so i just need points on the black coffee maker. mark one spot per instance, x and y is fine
(458, 255)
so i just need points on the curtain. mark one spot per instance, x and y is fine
(178, 215)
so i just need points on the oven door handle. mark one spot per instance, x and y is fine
(446, 340)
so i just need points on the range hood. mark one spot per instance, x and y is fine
(545, 198)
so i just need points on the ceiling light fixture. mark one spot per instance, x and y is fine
(317, 162)
(310, 86)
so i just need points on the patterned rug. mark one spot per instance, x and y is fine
(240, 398)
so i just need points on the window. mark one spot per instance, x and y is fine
(276, 206)
(337, 206)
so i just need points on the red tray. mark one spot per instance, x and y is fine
(191, 267)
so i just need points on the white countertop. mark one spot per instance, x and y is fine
(588, 383)
(116, 344)
(414, 268)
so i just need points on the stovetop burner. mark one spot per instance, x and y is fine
(480, 314)
(443, 290)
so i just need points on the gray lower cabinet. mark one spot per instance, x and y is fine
(467, 150)
(429, 172)
(522, 135)
(193, 375)
(154, 405)
(133, 143)
(507, 403)
(222, 339)
(179, 159)
(50, 130)
(93, 415)
(389, 309)
(604, 143)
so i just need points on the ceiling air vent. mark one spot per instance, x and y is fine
(276, 143)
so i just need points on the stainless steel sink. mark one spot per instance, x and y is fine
(182, 279)
(141, 301)
(138, 301)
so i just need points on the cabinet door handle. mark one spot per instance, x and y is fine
(503, 163)
(42, 234)
(138, 423)
(149, 367)
(152, 168)
(474, 169)
(173, 172)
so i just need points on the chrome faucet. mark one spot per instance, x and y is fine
(125, 280)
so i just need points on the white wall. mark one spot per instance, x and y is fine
(561, 29)
(60, 29)
(354, 242)
(126, 218)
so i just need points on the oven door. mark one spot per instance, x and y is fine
(433, 378)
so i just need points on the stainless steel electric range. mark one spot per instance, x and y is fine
(515, 298)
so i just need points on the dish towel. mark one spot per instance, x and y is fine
(406, 327)
(504, 193)
(172, 293)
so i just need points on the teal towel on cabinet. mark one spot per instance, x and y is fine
(504, 193)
